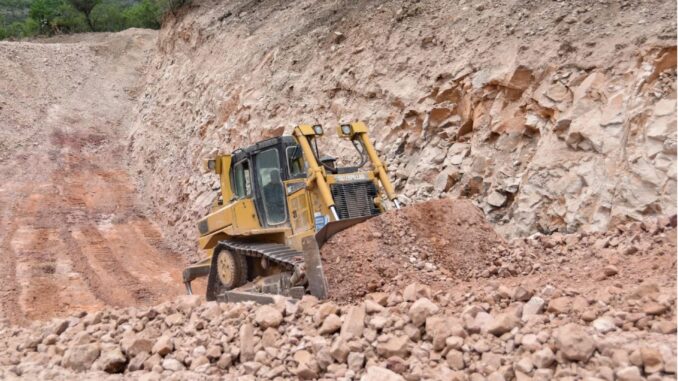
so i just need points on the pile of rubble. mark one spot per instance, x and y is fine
(548, 253)
(531, 330)
(433, 242)
(550, 116)
(445, 241)
(512, 334)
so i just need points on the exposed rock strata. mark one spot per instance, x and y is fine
(550, 116)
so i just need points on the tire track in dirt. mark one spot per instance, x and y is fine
(99, 206)
(116, 262)
(9, 289)
(125, 238)
(36, 268)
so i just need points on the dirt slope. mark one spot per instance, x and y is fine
(72, 237)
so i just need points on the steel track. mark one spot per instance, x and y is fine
(277, 253)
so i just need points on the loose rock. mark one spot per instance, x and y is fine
(574, 342)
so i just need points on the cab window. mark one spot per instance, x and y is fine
(241, 179)
(295, 162)
(272, 188)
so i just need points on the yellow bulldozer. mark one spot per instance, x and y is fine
(279, 201)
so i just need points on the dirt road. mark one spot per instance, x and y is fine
(72, 234)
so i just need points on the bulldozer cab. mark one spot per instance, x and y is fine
(259, 173)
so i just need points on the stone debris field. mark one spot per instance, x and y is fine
(599, 316)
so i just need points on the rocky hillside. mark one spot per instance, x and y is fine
(551, 116)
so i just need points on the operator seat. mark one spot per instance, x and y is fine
(274, 199)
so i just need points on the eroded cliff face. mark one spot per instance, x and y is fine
(549, 116)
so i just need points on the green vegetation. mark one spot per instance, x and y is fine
(25, 18)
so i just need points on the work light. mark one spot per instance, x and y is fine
(346, 129)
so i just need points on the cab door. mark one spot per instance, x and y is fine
(245, 213)
(297, 197)
(270, 188)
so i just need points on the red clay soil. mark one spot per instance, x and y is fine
(73, 235)
(438, 242)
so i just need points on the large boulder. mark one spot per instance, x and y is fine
(267, 316)
(307, 368)
(187, 303)
(325, 310)
(112, 360)
(175, 319)
(543, 358)
(246, 342)
(415, 291)
(331, 324)
(560, 305)
(173, 365)
(533, 307)
(394, 346)
(163, 345)
(629, 373)
(442, 327)
(421, 309)
(574, 343)
(502, 323)
(354, 322)
(133, 345)
(81, 357)
(652, 359)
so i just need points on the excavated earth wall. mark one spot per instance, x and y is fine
(549, 116)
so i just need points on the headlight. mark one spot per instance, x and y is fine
(346, 129)
(318, 129)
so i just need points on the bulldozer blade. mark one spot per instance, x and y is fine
(331, 228)
(317, 284)
(245, 296)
